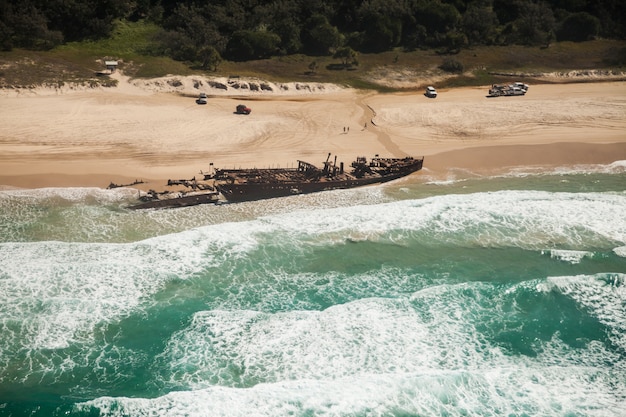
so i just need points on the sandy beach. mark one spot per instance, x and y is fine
(151, 131)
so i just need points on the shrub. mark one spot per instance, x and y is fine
(579, 27)
(451, 65)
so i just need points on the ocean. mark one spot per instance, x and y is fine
(472, 295)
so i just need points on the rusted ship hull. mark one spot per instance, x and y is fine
(239, 185)
(174, 202)
(239, 191)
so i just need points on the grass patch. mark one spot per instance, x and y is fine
(128, 41)
(153, 67)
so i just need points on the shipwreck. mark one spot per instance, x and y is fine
(237, 185)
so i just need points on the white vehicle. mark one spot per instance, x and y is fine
(431, 92)
(520, 85)
(202, 99)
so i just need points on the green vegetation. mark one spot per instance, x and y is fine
(203, 32)
(127, 39)
(132, 43)
(353, 43)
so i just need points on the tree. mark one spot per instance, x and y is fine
(193, 23)
(455, 41)
(479, 23)
(437, 17)
(382, 33)
(209, 57)
(283, 17)
(319, 36)
(83, 19)
(26, 27)
(289, 33)
(247, 44)
(346, 54)
(252, 29)
(380, 21)
(579, 27)
(535, 23)
(176, 45)
(414, 37)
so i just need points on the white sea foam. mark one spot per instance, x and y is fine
(603, 295)
(570, 256)
(127, 273)
(494, 391)
(620, 251)
(617, 167)
(242, 348)
(73, 194)
(440, 328)
(423, 356)
(547, 391)
(527, 219)
(67, 214)
(457, 175)
(55, 293)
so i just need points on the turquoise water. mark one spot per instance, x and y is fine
(469, 296)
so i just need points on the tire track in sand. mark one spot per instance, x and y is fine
(382, 136)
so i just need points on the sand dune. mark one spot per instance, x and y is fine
(151, 130)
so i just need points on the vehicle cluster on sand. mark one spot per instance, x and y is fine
(515, 89)
(240, 109)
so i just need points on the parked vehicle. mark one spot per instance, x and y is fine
(431, 92)
(243, 109)
(520, 85)
(506, 90)
(202, 99)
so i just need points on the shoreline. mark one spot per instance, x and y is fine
(487, 160)
(124, 134)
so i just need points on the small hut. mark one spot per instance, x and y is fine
(111, 66)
